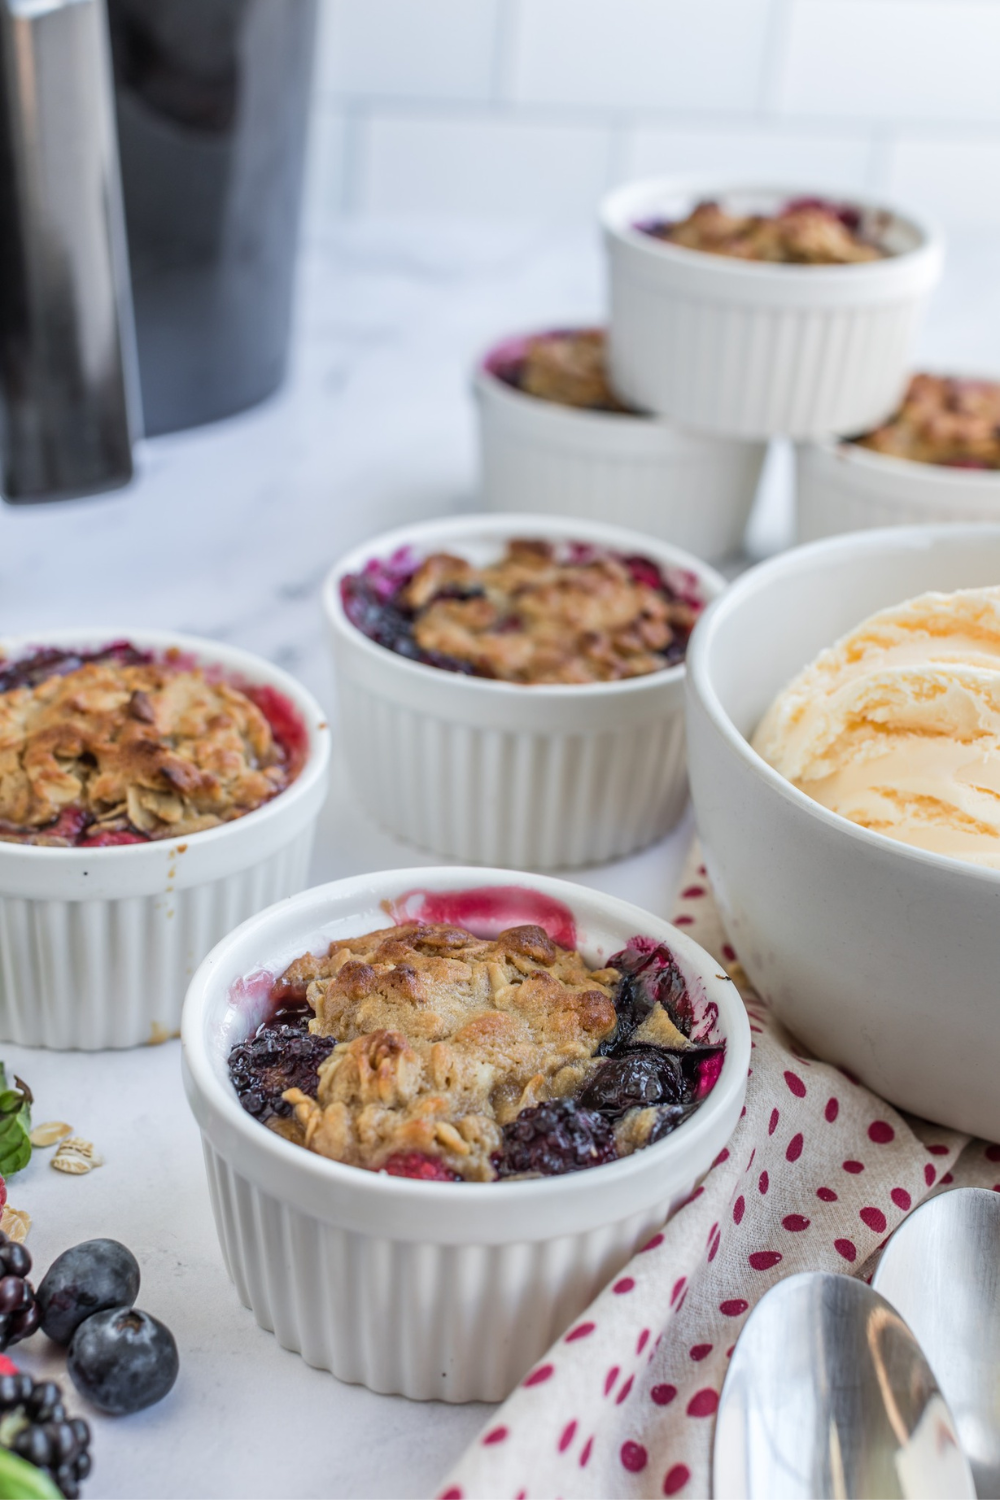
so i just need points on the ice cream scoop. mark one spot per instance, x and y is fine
(897, 726)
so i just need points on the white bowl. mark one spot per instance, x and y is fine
(440, 1291)
(97, 946)
(690, 488)
(756, 350)
(500, 773)
(879, 956)
(841, 487)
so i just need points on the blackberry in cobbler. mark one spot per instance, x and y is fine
(424, 1051)
(541, 614)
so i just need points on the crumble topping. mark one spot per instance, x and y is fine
(120, 750)
(539, 615)
(807, 231)
(567, 368)
(955, 423)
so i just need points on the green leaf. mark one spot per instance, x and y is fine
(20, 1480)
(15, 1126)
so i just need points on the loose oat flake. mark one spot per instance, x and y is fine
(49, 1133)
(15, 1223)
(76, 1156)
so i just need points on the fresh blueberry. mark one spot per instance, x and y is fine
(85, 1280)
(123, 1360)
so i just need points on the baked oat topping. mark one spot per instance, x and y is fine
(567, 367)
(121, 748)
(541, 614)
(942, 420)
(458, 1058)
(806, 231)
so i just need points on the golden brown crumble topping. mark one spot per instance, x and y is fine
(943, 421)
(443, 1038)
(569, 368)
(532, 618)
(150, 748)
(801, 234)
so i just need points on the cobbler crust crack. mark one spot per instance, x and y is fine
(153, 748)
(444, 1038)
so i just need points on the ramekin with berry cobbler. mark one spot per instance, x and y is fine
(442, 1107)
(154, 789)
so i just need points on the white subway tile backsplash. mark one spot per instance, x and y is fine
(481, 165)
(951, 179)
(892, 60)
(799, 158)
(639, 54)
(408, 49)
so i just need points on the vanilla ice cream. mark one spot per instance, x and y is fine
(897, 726)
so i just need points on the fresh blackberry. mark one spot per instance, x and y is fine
(34, 1425)
(20, 1314)
(278, 1057)
(559, 1136)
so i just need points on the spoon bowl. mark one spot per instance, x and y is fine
(829, 1394)
(941, 1272)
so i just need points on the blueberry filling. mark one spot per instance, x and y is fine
(282, 1054)
(51, 661)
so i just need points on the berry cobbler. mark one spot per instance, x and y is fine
(805, 231)
(543, 613)
(124, 746)
(566, 366)
(424, 1051)
(954, 423)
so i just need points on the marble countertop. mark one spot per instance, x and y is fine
(228, 532)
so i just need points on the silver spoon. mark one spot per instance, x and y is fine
(941, 1272)
(829, 1395)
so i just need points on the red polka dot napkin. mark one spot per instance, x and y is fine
(817, 1174)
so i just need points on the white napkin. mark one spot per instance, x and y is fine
(817, 1174)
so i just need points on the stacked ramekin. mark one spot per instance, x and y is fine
(494, 772)
(686, 487)
(97, 946)
(446, 1291)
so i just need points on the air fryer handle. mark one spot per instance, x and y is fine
(69, 394)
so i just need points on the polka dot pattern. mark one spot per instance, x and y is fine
(818, 1173)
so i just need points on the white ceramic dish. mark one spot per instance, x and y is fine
(97, 946)
(690, 488)
(879, 956)
(494, 772)
(442, 1291)
(757, 350)
(841, 487)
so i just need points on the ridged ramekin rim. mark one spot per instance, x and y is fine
(233, 658)
(733, 1023)
(701, 687)
(514, 523)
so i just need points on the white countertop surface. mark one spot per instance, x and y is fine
(227, 533)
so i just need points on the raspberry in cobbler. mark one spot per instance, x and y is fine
(943, 420)
(804, 231)
(119, 746)
(435, 1054)
(543, 613)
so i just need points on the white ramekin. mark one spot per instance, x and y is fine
(97, 946)
(498, 773)
(879, 956)
(841, 487)
(690, 488)
(440, 1291)
(759, 350)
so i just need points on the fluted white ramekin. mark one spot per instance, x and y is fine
(97, 946)
(691, 488)
(758, 350)
(446, 1291)
(499, 773)
(842, 487)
